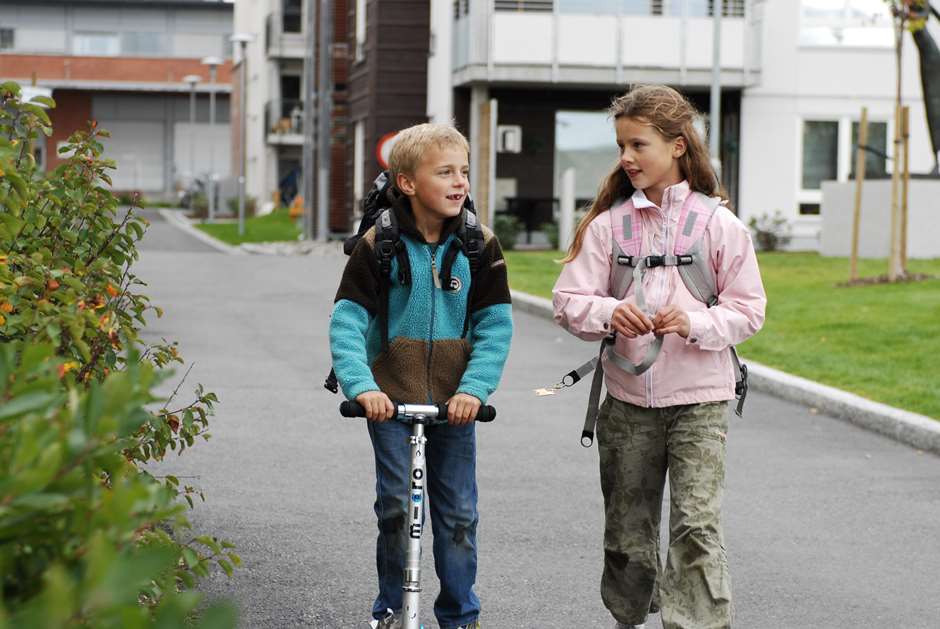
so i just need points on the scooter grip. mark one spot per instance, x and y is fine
(486, 414)
(351, 408)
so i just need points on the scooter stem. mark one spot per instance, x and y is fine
(412, 579)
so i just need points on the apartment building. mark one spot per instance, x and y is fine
(528, 81)
(275, 90)
(123, 64)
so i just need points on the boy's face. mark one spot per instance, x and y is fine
(439, 185)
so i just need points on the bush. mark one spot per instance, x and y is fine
(199, 205)
(135, 199)
(251, 206)
(770, 232)
(88, 537)
(551, 232)
(507, 229)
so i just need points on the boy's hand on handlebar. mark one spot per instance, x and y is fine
(630, 321)
(672, 319)
(377, 405)
(462, 409)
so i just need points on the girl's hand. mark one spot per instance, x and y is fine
(377, 405)
(630, 321)
(671, 319)
(462, 409)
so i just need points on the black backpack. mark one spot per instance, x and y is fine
(377, 211)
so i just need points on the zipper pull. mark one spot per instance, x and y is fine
(434, 274)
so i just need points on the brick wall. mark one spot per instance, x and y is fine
(72, 113)
(131, 69)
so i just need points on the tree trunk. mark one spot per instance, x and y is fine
(930, 82)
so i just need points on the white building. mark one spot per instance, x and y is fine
(795, 75)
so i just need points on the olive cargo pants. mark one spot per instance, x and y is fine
(638, 447)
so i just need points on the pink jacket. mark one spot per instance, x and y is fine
(688, 371)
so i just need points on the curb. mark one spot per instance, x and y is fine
(286, 248)
(177, 219)
(908, 428)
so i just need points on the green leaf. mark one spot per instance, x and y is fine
(43, 100)
(27, 403)
(226, 566)
(190, 557)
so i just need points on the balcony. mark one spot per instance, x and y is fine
(605, 42)
(285, 122)
(283, 36)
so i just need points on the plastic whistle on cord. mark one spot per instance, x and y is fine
(570, 379)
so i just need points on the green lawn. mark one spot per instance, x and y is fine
(881, 341)
(276, 226)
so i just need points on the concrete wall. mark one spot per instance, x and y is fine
(875, 225)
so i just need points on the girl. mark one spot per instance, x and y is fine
(672, 417)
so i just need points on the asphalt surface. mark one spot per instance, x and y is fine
(827, 525)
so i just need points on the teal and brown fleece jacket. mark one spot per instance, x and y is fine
(427, 360)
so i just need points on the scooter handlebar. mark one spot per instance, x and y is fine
(351, 408)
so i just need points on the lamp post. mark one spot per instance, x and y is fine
(242, 39)
(192, 80)
(213, 63)
(714, 131)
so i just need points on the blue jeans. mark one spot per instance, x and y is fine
(452, 497)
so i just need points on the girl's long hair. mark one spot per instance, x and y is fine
(673, 116)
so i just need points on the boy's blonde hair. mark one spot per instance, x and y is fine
(411, 143)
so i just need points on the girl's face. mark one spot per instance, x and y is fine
(649, 160)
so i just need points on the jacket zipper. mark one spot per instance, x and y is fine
(432, 249)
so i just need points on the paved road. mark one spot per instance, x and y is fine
(827, 526)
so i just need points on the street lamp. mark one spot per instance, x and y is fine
(213, 63)
(192, 80)
(242, 40)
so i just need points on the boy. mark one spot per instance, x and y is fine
(447, 341)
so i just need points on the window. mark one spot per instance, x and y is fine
(866, 23)
(143, 44)
(96, 44)
(820, 152)
(6, 38)
(828, 154)
(876, 156)
(545, 6)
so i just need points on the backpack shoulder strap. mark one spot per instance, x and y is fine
(698, 276)
(470, 239)
(388, 246)
(626, 236)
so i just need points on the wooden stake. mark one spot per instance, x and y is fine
(906, 181)
(859, 183)
(894, 253)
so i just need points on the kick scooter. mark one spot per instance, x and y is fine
(419, 416)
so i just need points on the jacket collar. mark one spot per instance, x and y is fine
(674, 194)
(401, 205)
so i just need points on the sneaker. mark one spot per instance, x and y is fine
(473, 625)
(620, 625)
(391, 621)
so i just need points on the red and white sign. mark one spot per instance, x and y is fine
(384, 148)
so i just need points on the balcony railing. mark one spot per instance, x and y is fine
(285, 121)
(605, 42)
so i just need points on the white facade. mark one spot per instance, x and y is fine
(261, 164)
(800, 83)
(797, 69)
